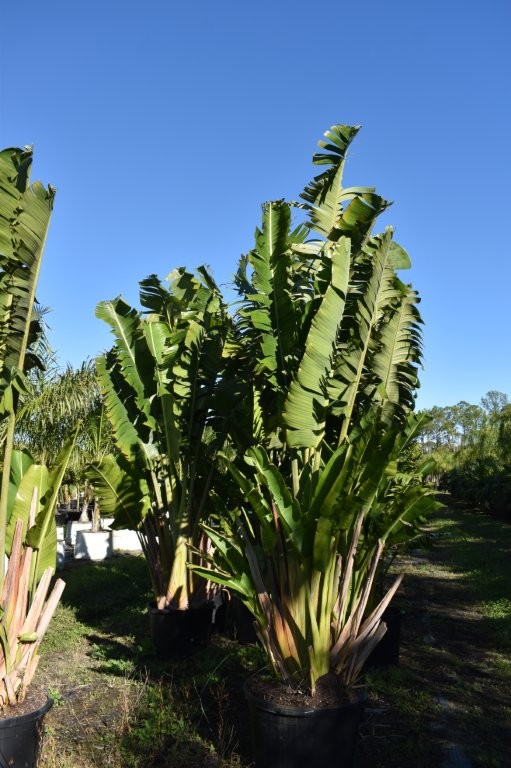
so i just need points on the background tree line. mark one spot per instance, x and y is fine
(472, 447)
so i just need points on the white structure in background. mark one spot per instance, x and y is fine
(93, 545)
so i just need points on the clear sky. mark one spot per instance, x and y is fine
(165, 124)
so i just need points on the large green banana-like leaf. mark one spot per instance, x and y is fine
(35, 476)
(398, 353)
(271, 315)
(404, 498)
(306, 403)
(358, 218)
(271, 262)
(158, 382)
(324, 193)
(347, 486)
(25, 212)
(156, 298)
(123, 491)
(283, 504)
(45, 519)
(237, 569)
(401, 516)
(398, 500)
(125, 324)
(354, 382)
(116, 393)
(28, 479)
(326, 197)
(194, 373)
(186, 346)
(138, 452)
(20, 463)
(260, 504)
(157, 335)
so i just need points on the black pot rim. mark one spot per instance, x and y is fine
(305, 711)
(15, 720)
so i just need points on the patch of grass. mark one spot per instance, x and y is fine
(109, 595)
(161, 729)
(502, 664)
(120, 706)
(56, 696)
(498, 609)
(65, 632)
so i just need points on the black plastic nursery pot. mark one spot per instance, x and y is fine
(238, 621)
(296, 737)
(20, 738)
(386, 653)
(179, 633)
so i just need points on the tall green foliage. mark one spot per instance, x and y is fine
(25, 212)
(158, 383)
(327, 327)
(326, 353)
(28, 491)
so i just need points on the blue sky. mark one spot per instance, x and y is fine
(164, 125)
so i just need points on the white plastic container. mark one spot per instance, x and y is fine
(93, 546)
(125, 541)
(72, 529)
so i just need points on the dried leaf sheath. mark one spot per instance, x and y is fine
(22, 627)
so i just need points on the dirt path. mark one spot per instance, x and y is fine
(448, 703)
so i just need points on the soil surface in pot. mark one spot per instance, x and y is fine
(329, 692)
(36, 697)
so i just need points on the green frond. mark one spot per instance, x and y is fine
(125, 324)
(307, 400)
(25, 212)
(159, 384)
(130, 436)
(330, 210)
(124, 491)
(353, 384)
(398, 354)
